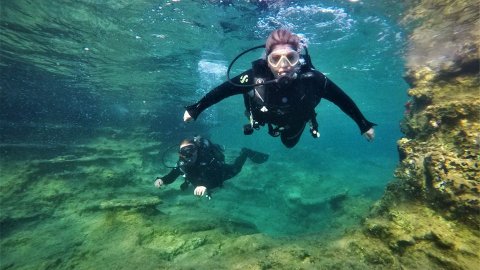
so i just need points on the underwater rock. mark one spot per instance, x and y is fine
(225, 226)
(439, 156)
(296, 201)
(439, 241)
(430, 214)
(337, 200)
(125, 204)
(441, 163)
(445, 38)
(14, 220)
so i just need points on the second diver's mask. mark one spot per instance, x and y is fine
(188, 154)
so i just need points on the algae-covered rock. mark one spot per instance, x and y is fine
(440, 154)
(445, 38)
(126, 204)
(430, 215)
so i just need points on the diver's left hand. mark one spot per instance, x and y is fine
(200, 191)
(369, 135)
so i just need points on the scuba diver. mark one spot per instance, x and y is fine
(202, 163)
(281, 91)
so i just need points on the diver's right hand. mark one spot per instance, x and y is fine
(158, 182)
(187, 117)
(200, 191)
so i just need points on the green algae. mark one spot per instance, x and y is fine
(97, 201)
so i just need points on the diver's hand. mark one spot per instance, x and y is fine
(200, 191)
(158, 182)
(315, 133)
(369, 135)
(187, 117)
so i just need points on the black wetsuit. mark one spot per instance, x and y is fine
(209, 169)
(288, 106)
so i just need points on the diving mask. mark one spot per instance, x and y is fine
(276, 57)
(187, 152)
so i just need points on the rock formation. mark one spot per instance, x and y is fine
(430, 213)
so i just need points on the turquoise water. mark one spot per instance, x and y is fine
(93, 94)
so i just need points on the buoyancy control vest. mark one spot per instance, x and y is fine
(278, 105)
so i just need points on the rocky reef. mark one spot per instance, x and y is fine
(429, 216)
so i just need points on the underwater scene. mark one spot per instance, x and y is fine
(92, 103)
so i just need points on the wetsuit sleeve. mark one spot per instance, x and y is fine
(336, 95)
(217, 182)
(171, 176)
(221, 92)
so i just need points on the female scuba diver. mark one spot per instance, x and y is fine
(282, 91)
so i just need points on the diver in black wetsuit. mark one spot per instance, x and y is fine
(203, 165)
(282, 91)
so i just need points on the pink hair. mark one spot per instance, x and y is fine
(281, 37)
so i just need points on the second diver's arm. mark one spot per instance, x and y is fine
(169, 178)
(206, 185)
(217, 94)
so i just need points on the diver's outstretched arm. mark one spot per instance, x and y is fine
(167, 179)
(336, 95)
(216, 95)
